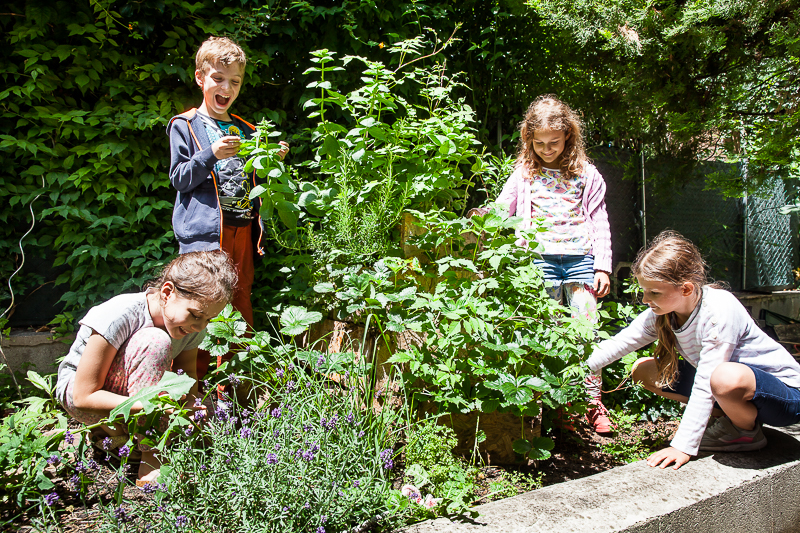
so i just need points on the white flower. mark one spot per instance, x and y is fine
(430, 502)
(408, 490)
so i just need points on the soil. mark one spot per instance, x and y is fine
(576, 454)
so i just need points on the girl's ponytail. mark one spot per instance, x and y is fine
(673, 259)
(665, 354)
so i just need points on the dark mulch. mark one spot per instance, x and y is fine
(582, 453)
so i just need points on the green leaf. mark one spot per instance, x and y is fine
(296, 320)
(39, 382)
(172, 384)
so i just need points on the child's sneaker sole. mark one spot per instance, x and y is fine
(736, 446)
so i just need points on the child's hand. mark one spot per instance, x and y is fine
(284, 149)
(602, 283)
(667, 456)
(226, 147)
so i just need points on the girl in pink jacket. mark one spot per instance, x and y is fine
(555, 181)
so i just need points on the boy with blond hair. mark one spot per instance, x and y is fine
(213, 210)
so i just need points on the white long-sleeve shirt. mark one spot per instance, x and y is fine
(720, 329)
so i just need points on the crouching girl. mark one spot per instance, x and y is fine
(130, 341)
(726, 357)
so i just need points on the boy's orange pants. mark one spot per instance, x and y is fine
(238, 244)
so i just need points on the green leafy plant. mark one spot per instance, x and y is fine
(393, 155)
(433, 469)
(29, 437)
(491, 337)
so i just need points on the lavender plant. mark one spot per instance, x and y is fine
(308, 456)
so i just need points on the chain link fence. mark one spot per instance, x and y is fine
(747, 243)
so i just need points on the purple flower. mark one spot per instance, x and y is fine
(285, 509)
(235, 381)
(272, 459)
(361, 433)
(279, 373)
(199, 415)
(276, 413)
(124, 451)
(189, 430)
(350, 418)
(92, 465)
(69, 438)
(246, 432)
(330, 425)
(290, 386)
(180, 372)
(321, 360)
(198, 402)
(80, 467)
(290, 367)
(122, 515)
(356, 483)
(323, 518)
(50, 499)
(307, 505)
(307, 427)
(54, 460)
(378, 394)
(308, 455)
(181, 521)
(320, 529)
(386, 457)
(149, 488)
(107, 443)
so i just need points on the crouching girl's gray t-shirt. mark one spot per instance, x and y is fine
(116, 321)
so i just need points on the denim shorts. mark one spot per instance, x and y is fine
(778, 404)
(567, 268)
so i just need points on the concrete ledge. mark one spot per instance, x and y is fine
(755, 492)
(39, 349)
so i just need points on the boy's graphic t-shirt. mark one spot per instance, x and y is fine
(559, 201)
(234, 186)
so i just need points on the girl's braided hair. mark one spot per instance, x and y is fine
(203, 276)
(548, 113)
(670, 258)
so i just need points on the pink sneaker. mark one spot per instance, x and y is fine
(597, 415)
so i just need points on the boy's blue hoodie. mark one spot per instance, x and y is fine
(197, 217)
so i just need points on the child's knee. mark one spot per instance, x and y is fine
(153, 340)
(729, 377)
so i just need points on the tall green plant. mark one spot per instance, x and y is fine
(491, 338)
(385, 156)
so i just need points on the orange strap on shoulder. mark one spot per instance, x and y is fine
(243, 120)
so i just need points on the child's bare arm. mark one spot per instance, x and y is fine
(87, 392)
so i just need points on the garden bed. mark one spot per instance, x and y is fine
(575, 455)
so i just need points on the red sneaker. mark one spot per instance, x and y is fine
(597, 415)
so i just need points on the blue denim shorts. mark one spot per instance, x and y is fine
(778, 404)
(567, 268)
